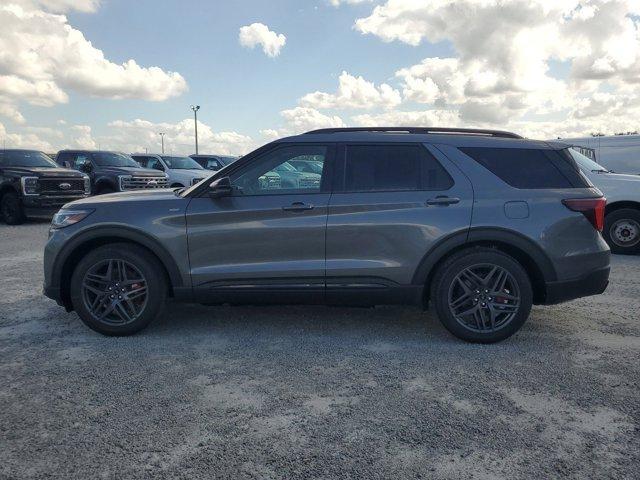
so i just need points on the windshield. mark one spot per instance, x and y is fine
(285, 167)
(586, 163)
(181, 163)
(114, 159)
(25, 158)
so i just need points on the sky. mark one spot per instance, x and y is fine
(112, 74)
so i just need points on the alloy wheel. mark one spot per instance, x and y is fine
(484, 298)
(115, 292)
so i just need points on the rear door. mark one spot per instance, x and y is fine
(265, 242)
(391, 204)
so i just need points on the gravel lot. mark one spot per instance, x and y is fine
(299, 392)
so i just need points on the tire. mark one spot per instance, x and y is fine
(622, 231)
(11, 209)
(139, 264)
(496, 315)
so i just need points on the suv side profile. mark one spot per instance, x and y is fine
(181, 171)
(111, 171)
(479, 224)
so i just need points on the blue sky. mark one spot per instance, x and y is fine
(544, 69)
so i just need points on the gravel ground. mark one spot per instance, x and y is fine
(314, 392)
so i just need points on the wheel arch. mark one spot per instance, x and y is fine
(531, 257)
(620, 204)
(87, 241)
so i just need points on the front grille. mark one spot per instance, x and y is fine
(309, 183)
(142, 183)
(60, 186)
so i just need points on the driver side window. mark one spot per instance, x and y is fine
(275, 174)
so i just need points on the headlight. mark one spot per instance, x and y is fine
(64, 218)
(29, 185)
(87, 184)
(121, 179)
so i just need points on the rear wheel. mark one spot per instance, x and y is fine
(11, 208)
(622, 231)
(118, 289)
(482, 295)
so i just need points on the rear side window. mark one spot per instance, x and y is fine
(529, 168)
(372, 168)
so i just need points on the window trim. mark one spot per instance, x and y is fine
(340, 174)
(326, 181)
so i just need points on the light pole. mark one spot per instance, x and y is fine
(162, 134)
(195, 109)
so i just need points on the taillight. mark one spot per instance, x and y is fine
(592, 208)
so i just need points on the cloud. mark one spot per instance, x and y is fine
(42, 58)
(82, 137)
(519, 62)
(138, 135)
(259, 34)
(354, 92)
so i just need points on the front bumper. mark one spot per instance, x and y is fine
(593, 283)
(46, 205)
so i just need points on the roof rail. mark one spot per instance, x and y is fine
(420, 131)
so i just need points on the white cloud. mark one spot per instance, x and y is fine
(425, 118)
(259, 34)
(505, 71)
(81, 137)
(354, 92)
(138, 135)
(337, 3)
(303, 119)
(8, 110)
(42, 58)
(23, 140)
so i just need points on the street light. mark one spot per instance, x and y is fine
(162, 134)
(195, 109)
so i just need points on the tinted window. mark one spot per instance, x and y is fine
(114, 159)
(529, 168)
(181, 163)
(393, 167)
(272, 174)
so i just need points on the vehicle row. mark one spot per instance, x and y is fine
(34, 184)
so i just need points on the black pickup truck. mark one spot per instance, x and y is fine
(32, 185)
(111, 171)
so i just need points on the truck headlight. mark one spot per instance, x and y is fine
(121, 180)
(29, 185)
(64, 218)
(87, 185)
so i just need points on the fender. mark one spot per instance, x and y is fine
(120, 232)
(484, 235)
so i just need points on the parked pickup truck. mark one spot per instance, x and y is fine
(182, 171)
(32, 185)
(112, 171)
(622, 214)
(213, 162)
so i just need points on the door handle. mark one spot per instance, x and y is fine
(443, 201)
(298, 207)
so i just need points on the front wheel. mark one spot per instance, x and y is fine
(622, 231)
(118, 289)
(482, 295)
(11, 209)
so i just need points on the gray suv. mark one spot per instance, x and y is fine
(479, 224)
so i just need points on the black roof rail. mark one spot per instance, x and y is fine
(420, 131)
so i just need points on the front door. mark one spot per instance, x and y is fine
(266, 241)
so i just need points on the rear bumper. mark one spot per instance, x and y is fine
(593, 283)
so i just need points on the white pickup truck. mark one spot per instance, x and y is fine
(622, 215)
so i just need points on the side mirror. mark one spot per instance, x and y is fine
(86, 167)
(220, 188)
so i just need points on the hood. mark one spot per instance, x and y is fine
(111, 199)
(46, 172)
(192, 172)
(140, 172)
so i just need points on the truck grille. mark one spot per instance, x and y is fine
(309, 183)
(60, 186)
(142, 183)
